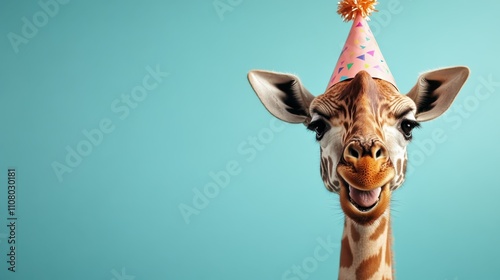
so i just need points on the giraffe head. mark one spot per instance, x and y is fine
(363, 126)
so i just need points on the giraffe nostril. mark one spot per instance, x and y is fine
(379, 152)
(353, 152)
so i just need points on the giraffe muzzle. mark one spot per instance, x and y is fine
(366, 167)
(366, 171)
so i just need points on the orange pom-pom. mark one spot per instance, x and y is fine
(348, 9)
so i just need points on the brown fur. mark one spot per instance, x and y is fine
(355, 234)
(379, 231)
(346, 257)
(388, 249)
(369, 266)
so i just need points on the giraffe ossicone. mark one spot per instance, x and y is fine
(363, 125)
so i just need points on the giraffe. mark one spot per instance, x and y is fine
(363, 126)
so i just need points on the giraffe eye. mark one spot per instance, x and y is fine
(318, 126)
(407, 126)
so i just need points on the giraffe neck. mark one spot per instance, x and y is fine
(366, 250)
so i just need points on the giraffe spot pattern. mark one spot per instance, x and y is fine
(369, 267)
(326, 172)
(346, 257)
(379, 230)
(398, 166)
(388, 252)
(401, 172)
(399, 181)
(354, 233)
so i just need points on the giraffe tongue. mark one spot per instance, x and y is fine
(364, 198)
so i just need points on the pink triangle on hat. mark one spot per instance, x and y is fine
(361, 35)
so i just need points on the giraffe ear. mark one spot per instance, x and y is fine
(435, 91)
(282, 94)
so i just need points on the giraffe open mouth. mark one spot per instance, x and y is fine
(364, 200)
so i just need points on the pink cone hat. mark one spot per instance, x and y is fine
(361, 51)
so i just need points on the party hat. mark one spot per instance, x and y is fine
(361, 51)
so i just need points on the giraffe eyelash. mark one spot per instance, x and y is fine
(320, 127)
(407, 127)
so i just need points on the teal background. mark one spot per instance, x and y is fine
(116, 215)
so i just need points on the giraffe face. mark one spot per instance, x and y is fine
(363, 127)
